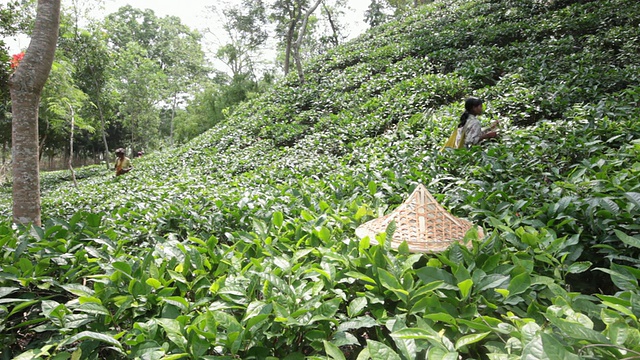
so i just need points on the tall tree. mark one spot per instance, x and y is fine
(332, 13)
(26, 86)
(324, 29)
(94, 64)
(87, 49)
(292, 17)
(375, 15)
(183, 63)
(14, 18)
(157, 60)
(245, 31)
(297, 45)
(378, 10)
(141, 85)
(61, 103)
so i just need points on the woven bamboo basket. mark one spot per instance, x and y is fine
(420, 221)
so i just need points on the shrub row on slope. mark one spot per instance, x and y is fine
(242, 244)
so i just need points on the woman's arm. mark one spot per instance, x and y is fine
(490, 133)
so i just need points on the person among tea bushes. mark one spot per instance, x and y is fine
(123, 164)
(470, 127)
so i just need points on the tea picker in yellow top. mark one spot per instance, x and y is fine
(123, 163)
(469, 131)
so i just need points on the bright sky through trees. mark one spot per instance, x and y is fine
(192, 13)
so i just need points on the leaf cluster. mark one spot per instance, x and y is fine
(241, 244)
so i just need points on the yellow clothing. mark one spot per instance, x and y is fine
(122, 165)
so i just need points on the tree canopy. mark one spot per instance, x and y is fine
(242, 242)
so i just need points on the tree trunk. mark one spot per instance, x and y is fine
(289, 42)
(73, 124)
(132, 136)
(173, 115)
(334, 28)
(104, 139)
(26, 86)
(103, 125)
(298, 43)
(4, 169)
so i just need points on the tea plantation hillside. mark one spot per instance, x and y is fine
(241, 244)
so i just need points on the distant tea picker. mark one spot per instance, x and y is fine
(469, 131)
(123, 163)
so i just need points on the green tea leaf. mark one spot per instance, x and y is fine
(344, 338)
(173, 330)
(123, 267)
(364, 354)
(425, 289)
(277, 219)
(579, 267)
(78, 290)
(93, 308)
(360, 276)
(175, 356)
(373, 187)
(442, 317)
(618, 332)
(154, 283)
(470, 339)
(84, 335)
(577, 331)
(389, 281)
(329, 308)
(333, 351)
(356, 306)
(553, 349)
(380, 351)
(357, 323)
(416, 333)
(634, 198)
(178, 301)
(621, 277)
(465, 288)
(534, 350)
(519, 284)
(629, 240)
(324, 234)
(4, 291)
(491, 281)
(436, 353)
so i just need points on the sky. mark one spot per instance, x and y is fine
(192, 13)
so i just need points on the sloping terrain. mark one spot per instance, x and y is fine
(241, 244)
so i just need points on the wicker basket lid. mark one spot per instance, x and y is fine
(420, 221)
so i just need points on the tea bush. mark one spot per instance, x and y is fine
(241, 244)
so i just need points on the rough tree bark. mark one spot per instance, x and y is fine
(26, 86)
(73, 124)
(334, 28)
(173, 115)
(298, 44)
(295, 17)
(103, 123)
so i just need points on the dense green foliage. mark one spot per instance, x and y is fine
(11, 21)
(241, 244)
